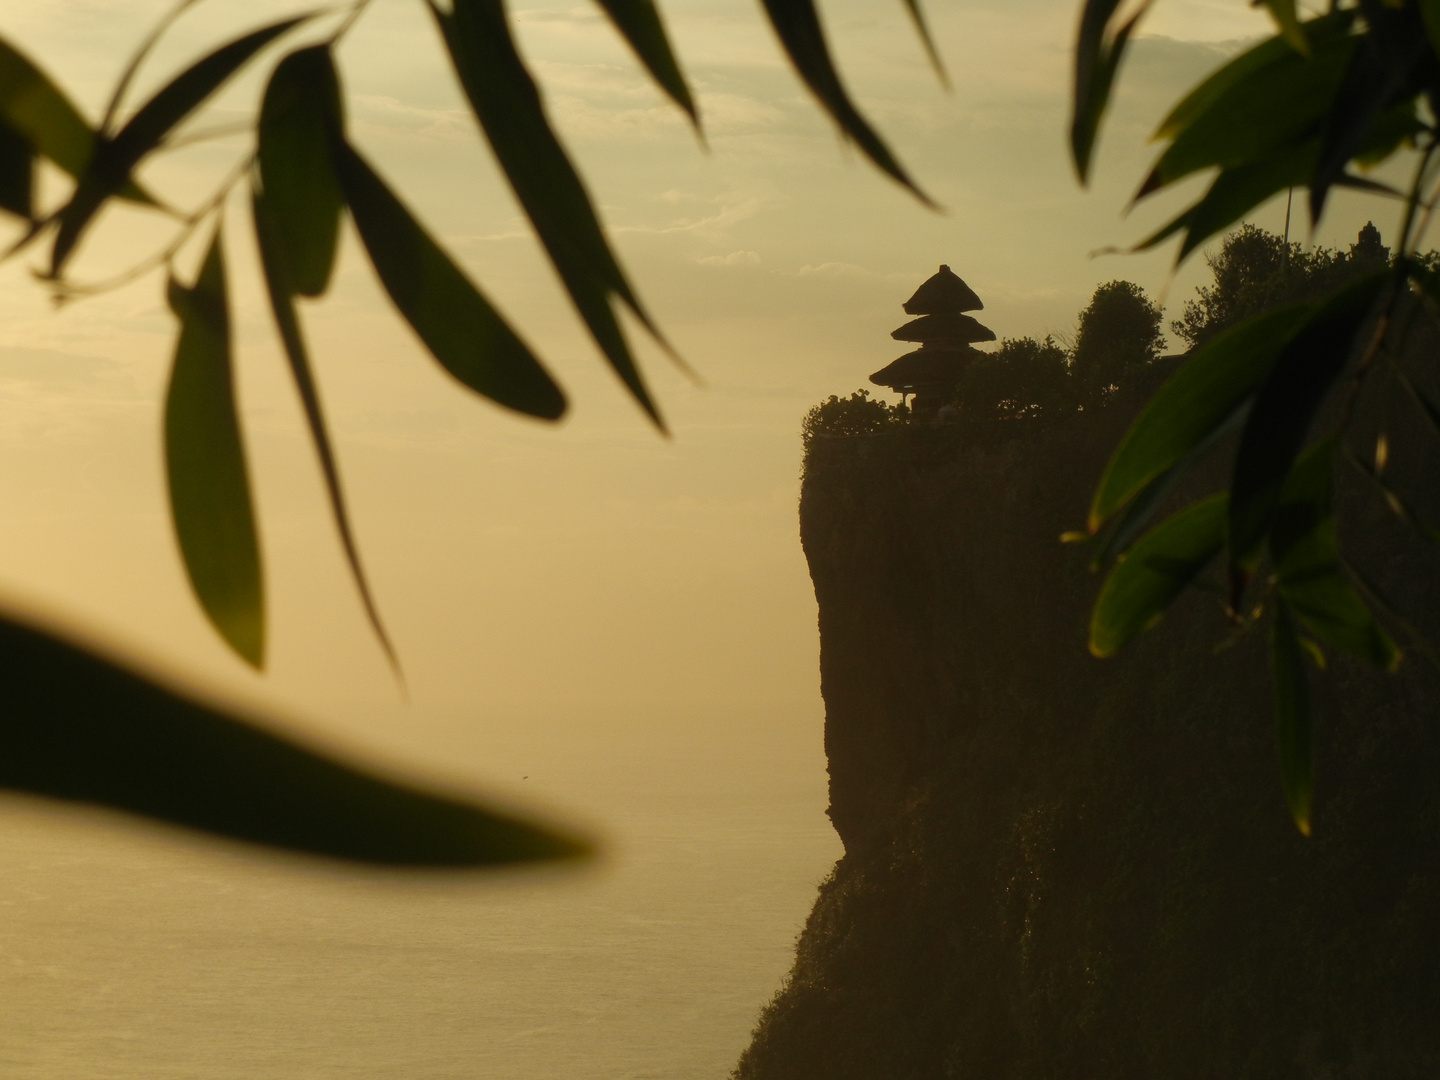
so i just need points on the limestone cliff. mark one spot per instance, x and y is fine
(1056, 867)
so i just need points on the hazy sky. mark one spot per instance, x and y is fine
(593, 569)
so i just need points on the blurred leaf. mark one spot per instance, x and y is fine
(1288, 20)
(1308, 570)
(300, 116)
(1218, 379)
(1387, 69)
(205, 461)
(1430, 14)
(1292, 718)
(797, 24)
(456, 323)
(639, 21)
(1295, 385)
(113, 160)
(277, 280)
(40, 113)
(80, 727)
(508, 106)
(17, 174)
(917, 15)
(1154, 572)
(1232, 129)
(1096, 62)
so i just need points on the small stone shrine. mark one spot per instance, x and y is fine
(944, 333)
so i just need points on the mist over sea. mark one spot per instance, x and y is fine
(129, 953)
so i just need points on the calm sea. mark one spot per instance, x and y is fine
(127, 953)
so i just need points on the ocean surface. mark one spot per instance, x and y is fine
(128, 952)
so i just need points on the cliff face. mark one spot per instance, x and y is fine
(1057, 867)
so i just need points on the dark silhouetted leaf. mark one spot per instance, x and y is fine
(1097, 59)
(917, 15)
(455, 322)
(639, 21)
(798, 25)
(205, 463)
(1288, 20)
(1297, 382)
(17, 174)
(1154, 572)
(288, 323)
(77, 726)
(1430, 14)
(1292, 718)
(1218, 379)
(113, 160)
(508, 106)
(299, 119)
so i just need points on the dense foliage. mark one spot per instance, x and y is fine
(858, 414)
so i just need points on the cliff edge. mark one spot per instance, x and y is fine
(1057, 867)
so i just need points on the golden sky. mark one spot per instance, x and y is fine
(593, 570)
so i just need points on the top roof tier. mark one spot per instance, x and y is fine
(943, 294)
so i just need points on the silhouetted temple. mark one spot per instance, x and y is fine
(944, 333)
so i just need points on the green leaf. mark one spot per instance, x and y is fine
(81, 727)
(1154, 572)
(917, 16)
(299, 118)
(1430, 14)
(1218, 379)
(507, 103)
(1295, 385)
(1288, 20)
(639, 21)
(17, 175)
(40, 113)
(1308, 571)
(1231, 130)
(456, 323)
(797, 24)
(1097, 59)
(277, 283)
(1292, 718)
(205, 463)
(113, 160)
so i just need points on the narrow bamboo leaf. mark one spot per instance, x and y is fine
(277, 284)
(507, 103)
(40, 113)
(797, 24)
(1430, 13)
(84, 728)
(1154, 572)
(299, 118)
(205, 463)
(113, 160)
(1292, 718)
(1237, 191)
(1097, 59)
(17, 174)
(1309, 573)
(1232, 130)
(639, 21)
(1296, 383)
(1386, 69)
(1288, 20)
(456, 323)
(1218, 379)
(922, 27)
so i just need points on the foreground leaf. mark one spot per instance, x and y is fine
(80, 727)
(456, 323)
(1293, 740)
(282, 304)
(797, 24)
(17, 175)
(1154, 572)
(507, 103)
(1097, 59)
(110, 166)
(205, 465)
(299, 118)
(639, 21)
(1285, 405)
(1218, 379)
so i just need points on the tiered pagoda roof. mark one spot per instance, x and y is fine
(944, 333)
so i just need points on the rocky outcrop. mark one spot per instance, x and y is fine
(1056, 867)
